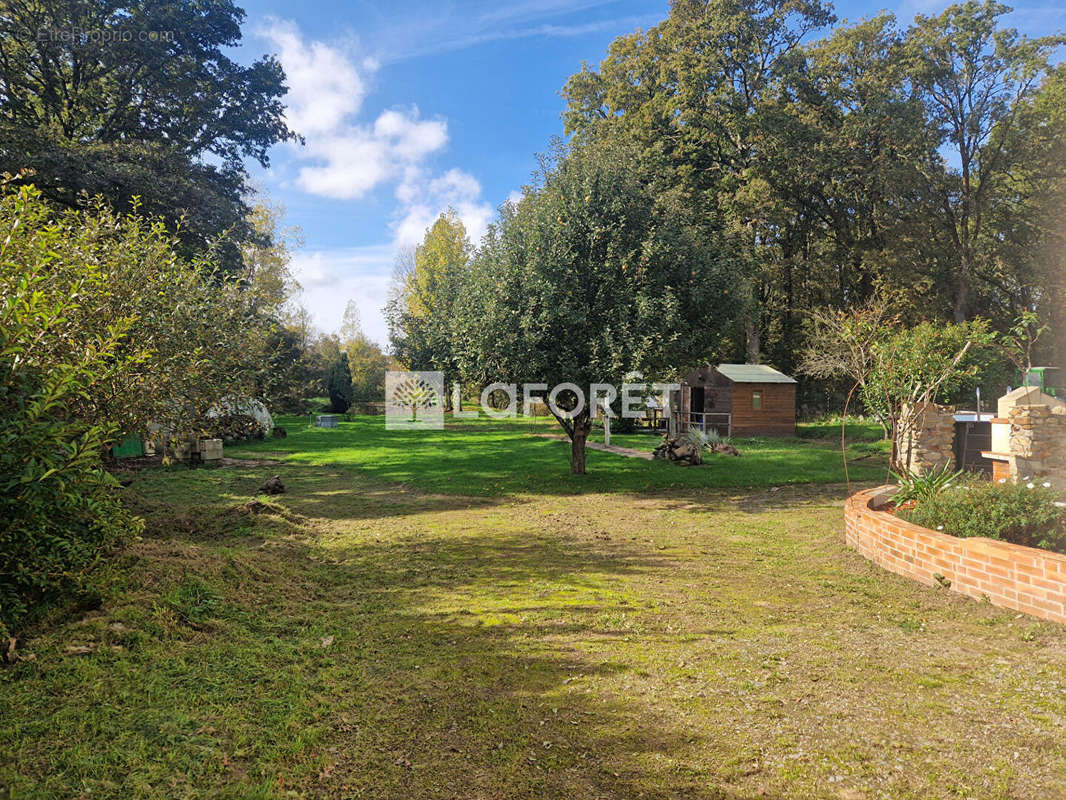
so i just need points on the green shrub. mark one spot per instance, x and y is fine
(1012, 512)
(339, 384)
(232, 428)
(103, 329)
(59, 512)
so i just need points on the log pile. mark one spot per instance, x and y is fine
(680, 450)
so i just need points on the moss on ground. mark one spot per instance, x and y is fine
(354, 638)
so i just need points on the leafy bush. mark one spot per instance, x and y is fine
(58, 509)
(914, 488)
(233, 428)
(705, 440)
(103, 329)
(1012, 512)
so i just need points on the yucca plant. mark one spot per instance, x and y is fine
(915, 488)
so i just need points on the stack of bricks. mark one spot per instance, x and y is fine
(1008, 575)
(928, 440)
(1038, 443)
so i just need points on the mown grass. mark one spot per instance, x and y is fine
(353, 638)
(500, 457)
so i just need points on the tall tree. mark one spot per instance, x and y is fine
(340, 385)
(975, 79)
(266, 258)
(695, 90)
(590, 276)
(421, 311)
(365, 359)
(137, 98)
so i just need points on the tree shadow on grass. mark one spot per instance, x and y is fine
(468, 694)
(458, 665)
(757, 501)
(327, 493)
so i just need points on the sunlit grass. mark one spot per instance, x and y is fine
(490, 457)
(355, 639)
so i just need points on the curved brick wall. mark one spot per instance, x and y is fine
(1009, 575)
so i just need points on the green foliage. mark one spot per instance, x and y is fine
(925, 156)
(926, 362)
(592, 275)
(104, 331)
(59, 512)
(1022, 513)
(340, 385)
(194, 336)
(975, 78)
(232, 428)
(896, 370)
(365, 359)
(915, 488)
(426, 290)
(161, 113)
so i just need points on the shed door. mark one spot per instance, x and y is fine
(697, 400)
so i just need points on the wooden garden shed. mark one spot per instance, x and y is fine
(736, 400)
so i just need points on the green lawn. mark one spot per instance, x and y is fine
(497, 457)
(357, 638)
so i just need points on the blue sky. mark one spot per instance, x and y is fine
(412, 106)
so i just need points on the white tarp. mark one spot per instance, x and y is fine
(244, 405)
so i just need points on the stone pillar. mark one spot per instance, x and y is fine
(928, 437)
(1038, 444)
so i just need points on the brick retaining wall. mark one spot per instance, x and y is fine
(1009, 575)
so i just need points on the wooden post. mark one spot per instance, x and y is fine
(606, 424)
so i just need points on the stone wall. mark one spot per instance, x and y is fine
(1022, 578)
(928, 441)
(1038, 443)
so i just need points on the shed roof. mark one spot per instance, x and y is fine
(753, 373)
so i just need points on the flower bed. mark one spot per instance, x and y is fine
(1010, 575)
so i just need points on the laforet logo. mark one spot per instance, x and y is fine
(414, 400)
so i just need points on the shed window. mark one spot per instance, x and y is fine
(756, 400)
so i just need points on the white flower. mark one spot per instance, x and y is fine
(1030, 485)
(1027, 478)
(940, 527)
(1047, 484)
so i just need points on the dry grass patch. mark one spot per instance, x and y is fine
(355, 639)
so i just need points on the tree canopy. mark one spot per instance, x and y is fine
(850, 158)
(139, 99)
(592, 275)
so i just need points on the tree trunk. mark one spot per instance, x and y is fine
(753, 341)
(962, 289)
(582, 426)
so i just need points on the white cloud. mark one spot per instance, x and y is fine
(349, 163)
(324, 86)
(425, 198)
(332, 277)
(409, 138)
(348, 157)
